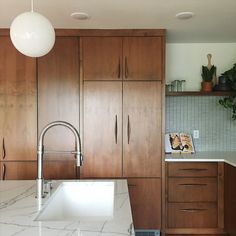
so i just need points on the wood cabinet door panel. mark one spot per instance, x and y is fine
(18, 106)
(192, 190)
(142, 129)
(145, 197)
(193, 169)
(192, 215)
(143, 58)
(18, 170)
(58, 93)
(102, 122)
(102, 58)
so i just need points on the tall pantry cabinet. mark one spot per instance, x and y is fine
(18, 113)
(122, 117)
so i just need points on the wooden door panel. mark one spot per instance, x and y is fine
(102, 58)
(143, 58)
(145, 197)
(58, 93)
(18, 106)
(142, 129)
(18, 170)
(102, 121)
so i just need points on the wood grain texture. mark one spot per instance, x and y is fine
(102, 58)
(192, 169)
(142, 58)
(142, 105)
(18, 106)
(58, 93)
(192, 190)
(230, 200)
(18, 170)
(102, 154)
(145, 196)
(202, 215)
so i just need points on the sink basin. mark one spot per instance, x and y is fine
(84, 200)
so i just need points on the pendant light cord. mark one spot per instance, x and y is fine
(32, 5)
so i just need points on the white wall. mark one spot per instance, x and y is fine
(184, 61)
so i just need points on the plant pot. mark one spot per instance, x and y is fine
(207, 86)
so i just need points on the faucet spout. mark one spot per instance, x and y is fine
(41, 151)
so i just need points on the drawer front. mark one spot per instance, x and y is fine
(192, 215)
(192, 169)
(192, 189)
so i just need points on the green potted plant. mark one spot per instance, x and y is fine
(230, 101)
(208, 74)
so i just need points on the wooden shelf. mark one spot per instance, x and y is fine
(199, 93)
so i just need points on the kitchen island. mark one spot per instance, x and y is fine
(19, 208)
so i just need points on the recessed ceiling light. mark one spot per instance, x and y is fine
(80, 15)
(184, 15)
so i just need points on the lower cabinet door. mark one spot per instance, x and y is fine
(18, 170)
(145, 197)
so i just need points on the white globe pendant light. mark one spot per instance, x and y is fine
(32, 34)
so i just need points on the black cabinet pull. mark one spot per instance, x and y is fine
(128, 129)
(116, 129)
(193, 169)
(4, 172)
(3, 149)
(119, 69)
(193, 209)
(126, 68)
(193, 184)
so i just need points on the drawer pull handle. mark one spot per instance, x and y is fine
(3, 149)
(116, 129)
(132, 185)
(193, 169)
(3, 172)
(193, 184)
(192, 209)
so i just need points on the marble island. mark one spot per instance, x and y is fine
(19, 208)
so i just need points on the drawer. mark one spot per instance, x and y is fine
(192, 169)
(192, 215)
(192, 189)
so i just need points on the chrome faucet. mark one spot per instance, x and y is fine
(41, 152)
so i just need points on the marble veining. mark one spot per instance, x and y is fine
(19, 207)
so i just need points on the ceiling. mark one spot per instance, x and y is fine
(214, 20)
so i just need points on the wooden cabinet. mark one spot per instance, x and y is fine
(122, 122)
(117, 58)
(58, 94)
(18, 106)
(145, 196)
(102, 125)
(18, 170)
(194, 191)
(142, 129)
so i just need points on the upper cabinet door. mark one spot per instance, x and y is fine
(142, 58)
(102, 122)
(18, 104)
(58, 93)
(101, 58)
(142, 129)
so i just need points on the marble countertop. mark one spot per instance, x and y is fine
(227, 157)
(19, 207)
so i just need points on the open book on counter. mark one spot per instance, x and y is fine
(179, 143)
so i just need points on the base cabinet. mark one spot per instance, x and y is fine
(145, 197)
(194, 198)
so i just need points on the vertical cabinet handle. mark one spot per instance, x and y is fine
(128, 129)
(126, 68)
(3, 149)
(119, 69)
(116, 129)
(3, 172)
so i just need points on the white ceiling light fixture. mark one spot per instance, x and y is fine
(80, 16)
(32, 34)
(185, 15)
